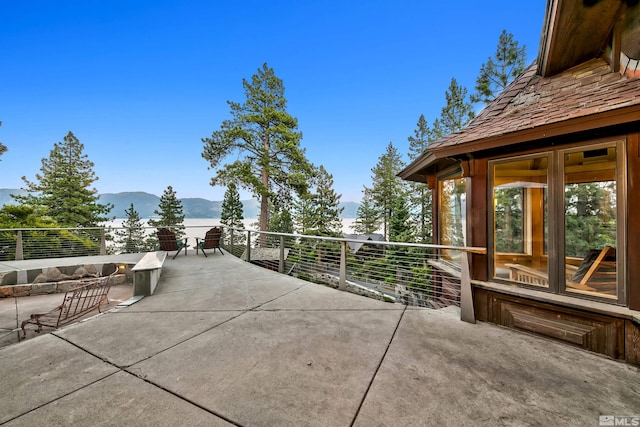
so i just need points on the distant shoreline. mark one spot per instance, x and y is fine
(195, 227)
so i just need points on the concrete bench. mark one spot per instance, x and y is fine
(76, 303)
(146, 273)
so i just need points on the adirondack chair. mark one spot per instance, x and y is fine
(597, 270)
(211, 241)
(169, 243)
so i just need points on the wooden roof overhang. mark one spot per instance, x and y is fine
(576, 31)
(435, 160)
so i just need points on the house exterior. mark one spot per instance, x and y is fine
(548, 174)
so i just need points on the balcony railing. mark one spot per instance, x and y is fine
(408, 273)
(432, 276)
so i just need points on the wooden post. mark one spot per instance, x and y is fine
(231, 242)
(467, 313)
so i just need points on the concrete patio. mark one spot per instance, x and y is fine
(223, 342)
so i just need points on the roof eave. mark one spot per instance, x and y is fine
(430, 159)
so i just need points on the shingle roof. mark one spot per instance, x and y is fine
(532, 101)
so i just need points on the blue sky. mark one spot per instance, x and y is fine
(141, 82)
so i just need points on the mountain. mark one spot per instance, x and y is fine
(5, 195)
(146, 203)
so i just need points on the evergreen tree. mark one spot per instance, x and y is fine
(170, 213)
(62, 189)
(498, 72)
(281, 222)
(420, 196)
(325, 207)
(303, 217)
(369, 217)
(232, 209)
(266, 139)
(131, 238)
(386, 184)
(232, 213)
(457, 113)
(400, 228)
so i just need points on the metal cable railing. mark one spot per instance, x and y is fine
(422, 275)
(414, 274)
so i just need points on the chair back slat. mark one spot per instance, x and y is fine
(167, 240)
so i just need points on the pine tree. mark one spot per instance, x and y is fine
(62, 189)
(232, 213)
(170, 213)
(266, 139)
(498, 72)
(232, 209)
(131, 238)
(386, 184)
(325, 206)
(457, 113)
(400, 228)
(303, 216)
(420, 195)
(369, 217)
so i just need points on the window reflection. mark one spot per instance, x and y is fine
(519, 212)
(452, 221)
(590, 221)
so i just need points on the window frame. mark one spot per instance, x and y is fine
(556, 219)
(527, 216)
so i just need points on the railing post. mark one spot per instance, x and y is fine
(248, 246)
(342, 284)
(19, 251)
(103, 242)
(281, 263)
(467, 313)
(231, 242)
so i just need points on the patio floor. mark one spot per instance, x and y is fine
(223, 342)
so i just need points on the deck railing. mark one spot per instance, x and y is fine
(422, 275)
(409, 273)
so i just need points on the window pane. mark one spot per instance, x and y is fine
(509, 219)
(452, 221)
(590, 221)
(520, 210)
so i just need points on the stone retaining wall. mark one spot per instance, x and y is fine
(51, 287)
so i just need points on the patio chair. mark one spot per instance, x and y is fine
(597, 270)
(211, 241)
(169, 243)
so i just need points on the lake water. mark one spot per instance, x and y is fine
(196, 227)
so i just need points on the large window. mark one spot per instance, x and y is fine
(556, 220)
(519, 212)
(590, 218)
(452, 198)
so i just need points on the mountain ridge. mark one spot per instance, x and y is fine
(193, 207)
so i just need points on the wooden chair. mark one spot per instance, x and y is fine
(597, 271)
(211, 241)
(168, 242)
